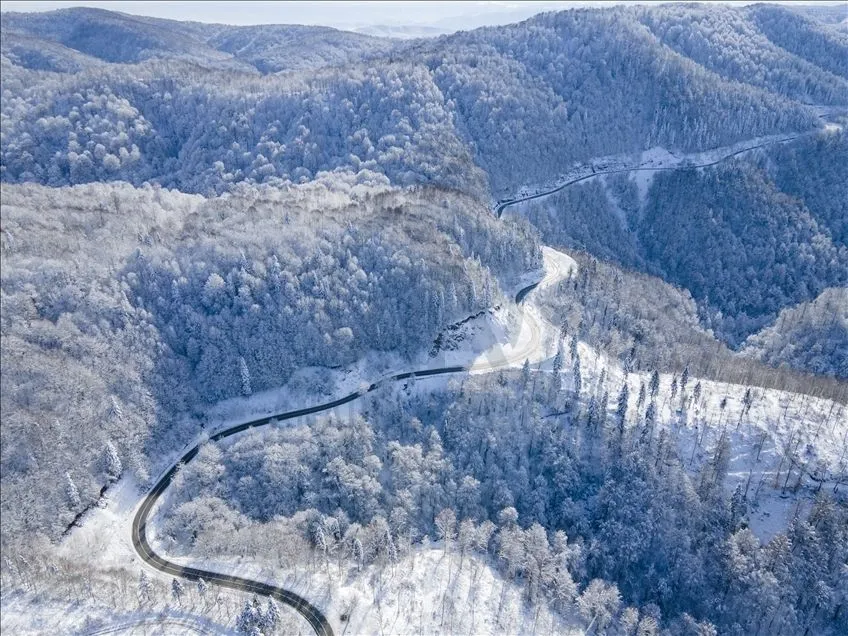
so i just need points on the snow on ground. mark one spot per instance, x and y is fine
(479, 336)
(783, 433)
(779, 425)
(429, 591)
(106, 530)
(643, 166)
(25, 614)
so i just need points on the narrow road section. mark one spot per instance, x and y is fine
(312, 614)
(681, 166)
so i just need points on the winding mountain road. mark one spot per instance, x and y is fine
(312, 614)
(505, 204)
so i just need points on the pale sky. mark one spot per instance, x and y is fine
(344, 15)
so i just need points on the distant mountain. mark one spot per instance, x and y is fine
(812, 336)
(114, 37)
(486, 111)
(126, 39)
(402, 32)
(826, 14)
(277, 48)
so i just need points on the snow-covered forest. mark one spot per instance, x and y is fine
(581, 494)
(522, 102)
(745, 238)
(614, 239)
(175, 302)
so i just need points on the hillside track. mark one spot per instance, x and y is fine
(317, 620)
(685, 166)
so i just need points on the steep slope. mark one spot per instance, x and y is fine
(727, 41)
(758, 249)
(746, 237)
(523, 102)
(174, 301)
(815, 170)
(811, 336)
(823, 47)
(599, 83)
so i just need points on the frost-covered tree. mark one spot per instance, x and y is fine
(244, 372)
(250, 616)
(72, 493)
(599, 603)
(271, 618)
(577, 376)
(177, 590)
(621, 406)
(145, 588)
(114, 467)
(654, 385)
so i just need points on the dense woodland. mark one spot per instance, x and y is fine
(769, 229)
(589, 507)
(812, 336)
(194, 212)
(522, 102)
(175, 302)
(645, 323)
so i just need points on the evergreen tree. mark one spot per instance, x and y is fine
(603, 406)
(738, 507)
(591, 412)
(578, 379)
(145, 587)
(177, 590)
(651, 415)
(557, 364)
(114, 467)
(71, 492)
(271, 618)
(248, 619)
(246, 388)
(525, 373)
(621, 411)
(655, 384)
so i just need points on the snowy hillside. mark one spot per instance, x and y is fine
(525, 329)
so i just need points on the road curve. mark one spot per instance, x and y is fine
(312, 614)
(505, 204)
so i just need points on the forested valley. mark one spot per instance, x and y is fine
(770, 232)
(638, 425)
(175, 302)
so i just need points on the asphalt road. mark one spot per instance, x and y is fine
(311, 613)
(505, 204)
